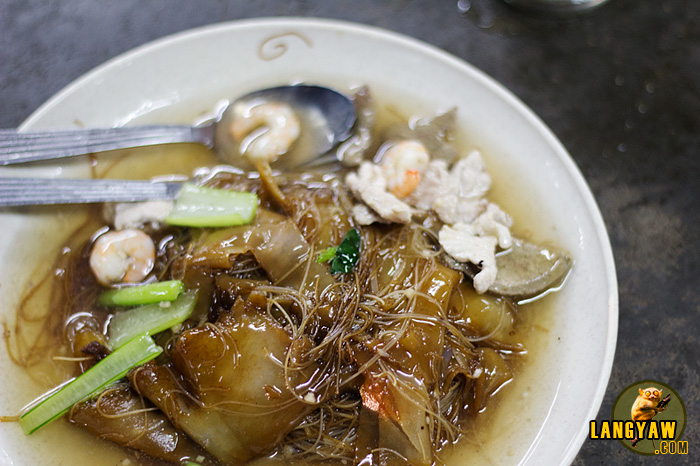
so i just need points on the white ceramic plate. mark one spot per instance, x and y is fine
(177, 78)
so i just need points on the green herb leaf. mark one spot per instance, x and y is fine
(327, 254)
(347, 254)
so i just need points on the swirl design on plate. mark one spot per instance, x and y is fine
(277, 45)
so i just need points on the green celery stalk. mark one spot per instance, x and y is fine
(112, 368)
(142, 294)
(149, 319)
(198, 206)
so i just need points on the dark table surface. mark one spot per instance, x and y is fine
(619, 86)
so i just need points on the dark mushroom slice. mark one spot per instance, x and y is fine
(351, 152)
(122, 416)
(435, 133)
(525, 270)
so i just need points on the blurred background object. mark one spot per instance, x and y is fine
(557, 7)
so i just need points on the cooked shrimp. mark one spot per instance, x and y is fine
(265, 130)
(125, 256)
(403, 164)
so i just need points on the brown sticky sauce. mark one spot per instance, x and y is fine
(502, 434)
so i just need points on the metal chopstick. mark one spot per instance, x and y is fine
(43, 191)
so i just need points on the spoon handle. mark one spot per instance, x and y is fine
(19, 147)
(46, 191)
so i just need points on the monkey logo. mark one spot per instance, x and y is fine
(648, 418)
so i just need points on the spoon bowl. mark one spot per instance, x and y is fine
(326, 118)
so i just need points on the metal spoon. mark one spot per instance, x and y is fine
(326, 117)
